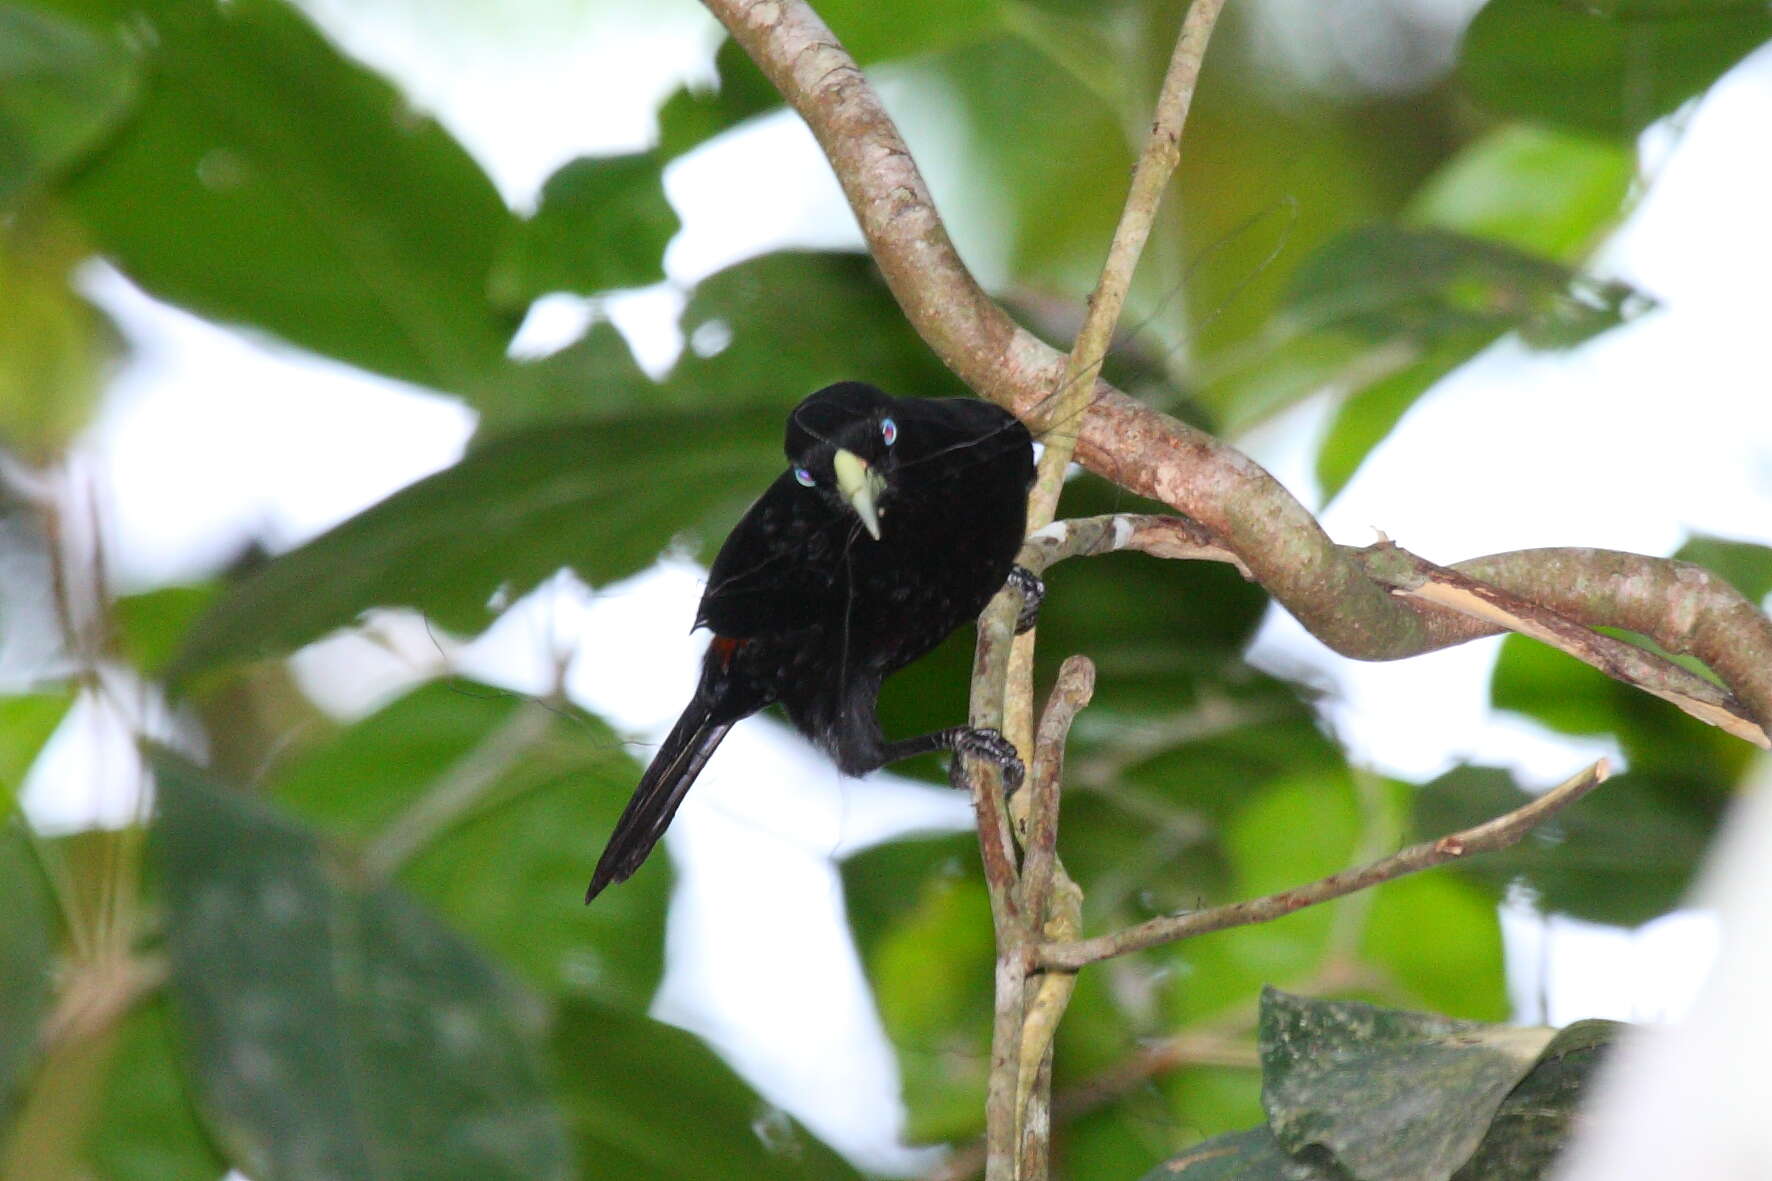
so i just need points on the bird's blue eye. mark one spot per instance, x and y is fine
(888, 431)
(804, 476)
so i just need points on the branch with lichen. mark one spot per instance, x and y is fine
(1325, 585)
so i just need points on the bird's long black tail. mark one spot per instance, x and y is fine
(684, 753)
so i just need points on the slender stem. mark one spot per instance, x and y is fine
(1495, 834)
(1156, 163)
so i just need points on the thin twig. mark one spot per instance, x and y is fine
(1156, 163)
(1488, 837)
(1070, 693)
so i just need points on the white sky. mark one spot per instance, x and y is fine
(1597, 451)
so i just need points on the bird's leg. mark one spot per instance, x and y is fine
(963, 740)
(1033, 593)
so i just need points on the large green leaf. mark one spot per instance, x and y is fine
(1747, 566)
(27, 945)
(56, 349)
(1394, 1096)
(62, 88)
(337, 1029)
(603, 496)
(648, 1102)
(603, 223)
(1381, 1095)
(511, 870)
(147, 1127)
(269, 180)
(1606, 68)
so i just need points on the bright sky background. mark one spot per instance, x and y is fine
(1630, 441)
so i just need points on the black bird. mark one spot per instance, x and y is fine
(896, 521)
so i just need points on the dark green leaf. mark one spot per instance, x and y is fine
(603, 224)
(1625, 854)
(1394, 1096)
(694, 115)
(147, 1128)
(1746, 566)
(62, 88)
(1536, 1120)
(1431, 285)
(651, 1103)
(603, 497)
(777, 327)
(333, 1029)
(1611, 69)
(270, 180)
(27, 946)
(1242, 1156)
(511, 872)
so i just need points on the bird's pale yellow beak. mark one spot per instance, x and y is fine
(861, 487)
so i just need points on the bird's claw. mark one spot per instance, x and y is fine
(990, 745)
(1033, 593)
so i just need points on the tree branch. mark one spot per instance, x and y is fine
(1499, 833)
(1244, 509)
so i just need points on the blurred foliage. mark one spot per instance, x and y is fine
(378, 963)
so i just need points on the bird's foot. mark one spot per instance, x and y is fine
(1033, 593)
(991, 746)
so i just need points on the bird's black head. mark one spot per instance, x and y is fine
(840, 444)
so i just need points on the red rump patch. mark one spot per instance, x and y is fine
(725, 647)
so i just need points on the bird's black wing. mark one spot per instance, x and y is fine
(781, 567)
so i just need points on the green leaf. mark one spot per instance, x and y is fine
(602, 496)
(778, 327)
(923, 923)
(56, 349)
(1609, 69)
(1394, 1096)
(1367, 416)
(1657, 737)
(27, 948)
(511, 872)
(147, 1127)
(1460, 971)
(872, 32)
(648, 1102)
(270, 180)
(26, 724)
(336, 1029)
(1537, 189)
(62, 89)
(1385, 281)
(603, 224)
(694, 115)
(1625, 854)
(152, 625)
(1537, 1119)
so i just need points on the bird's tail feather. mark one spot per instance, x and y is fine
(684, 753)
